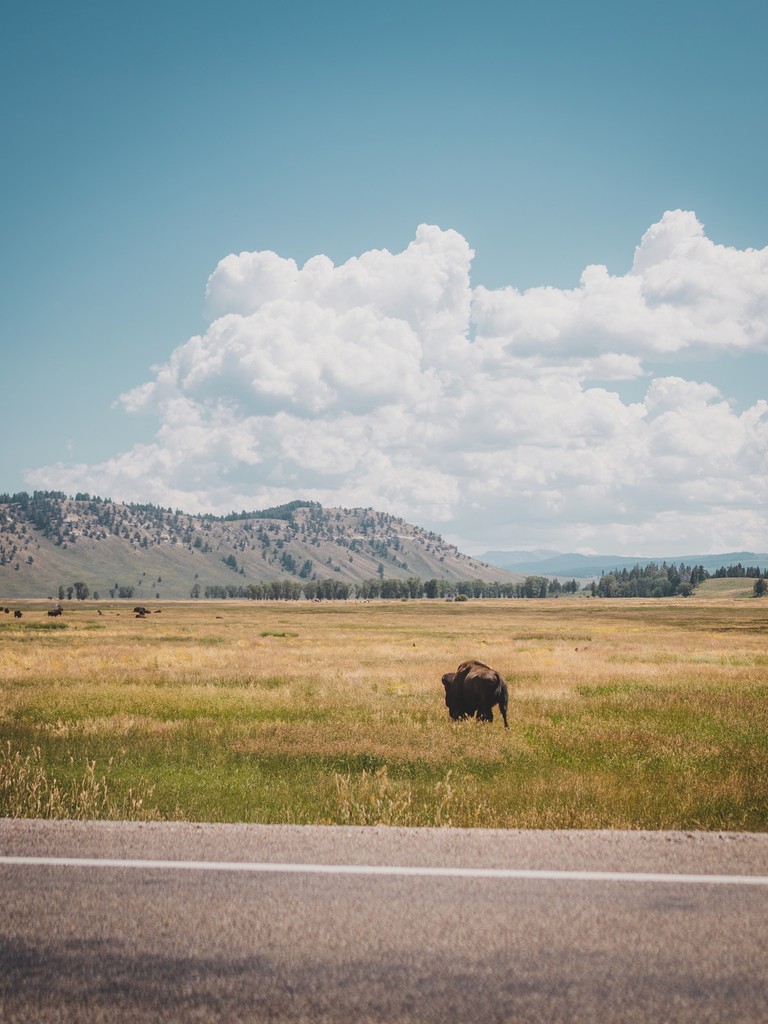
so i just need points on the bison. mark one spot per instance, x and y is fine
(473, 689)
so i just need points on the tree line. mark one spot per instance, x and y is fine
(738, 571)
(650, 580)
(412, 588)
(641, 581)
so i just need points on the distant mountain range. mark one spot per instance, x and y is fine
(576, 566)
(49, 541)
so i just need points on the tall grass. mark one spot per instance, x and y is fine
(623, 714)
(27, 790)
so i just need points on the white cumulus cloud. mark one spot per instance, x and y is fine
(393, 381)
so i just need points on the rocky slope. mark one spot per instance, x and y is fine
(49, 541)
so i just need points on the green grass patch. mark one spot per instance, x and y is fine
(32, 627)
(734, 588)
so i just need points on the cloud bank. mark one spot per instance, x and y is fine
(492, 415)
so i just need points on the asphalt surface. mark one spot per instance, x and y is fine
(623, 941)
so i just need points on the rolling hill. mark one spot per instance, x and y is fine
(49, 541)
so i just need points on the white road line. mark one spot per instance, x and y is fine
(388, 870)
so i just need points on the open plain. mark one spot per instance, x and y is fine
(624, 714)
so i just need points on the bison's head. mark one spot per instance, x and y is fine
(454, 700)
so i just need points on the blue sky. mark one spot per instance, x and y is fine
(144, 143)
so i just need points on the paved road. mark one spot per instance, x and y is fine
(519, 938)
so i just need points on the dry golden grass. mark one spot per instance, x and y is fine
(622, 713)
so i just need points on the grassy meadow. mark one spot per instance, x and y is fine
(623, 714)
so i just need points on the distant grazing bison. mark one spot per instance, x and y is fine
(473, 689)
(54, 612)
(17, 614)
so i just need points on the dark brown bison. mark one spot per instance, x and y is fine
(473, 689)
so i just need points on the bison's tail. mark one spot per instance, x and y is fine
(502, 696)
